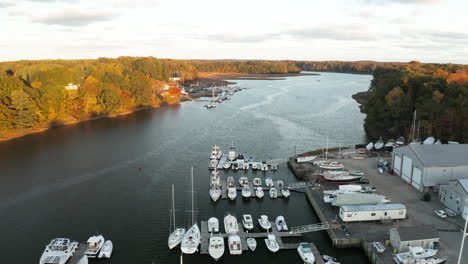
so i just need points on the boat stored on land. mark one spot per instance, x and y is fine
(213, 225)
(379, 144)
(106, 250)
(230, 224)
(235, 246)
(305, 252)
(400, 141)
(247, 221)
(264, 222)
(281, 223)
(271, 243)
(95, 244)
(369, 146)
(344, 177)
(216, 247)
(330, 165)
(251, 243)
(58, 251)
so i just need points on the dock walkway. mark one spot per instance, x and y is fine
(79, 253)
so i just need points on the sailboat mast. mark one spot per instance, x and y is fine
(414, 124)
(326, 151)
(193, 217)
(173, 207)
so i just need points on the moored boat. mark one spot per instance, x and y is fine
(215, 193)
(213, 225)
(177, 233)
(235, 246)
(254, 165)
(243, 181)
(257, 182)
(232, 154)
(306, 254)
(232, 193)
(379, 144)
(213, 163)
(246, 192)
(226, 165)
(230, 181)
(274, 166)
(191, 238)
(251, 243)
(259, 192)
(271, 243)
(215, 179)
(264, 222)
(285, 192)
(216, 247)
(58, 251)
(216, 153)
(106, 250)
(281, 223)
(273, 193)
(269, 182)
(247, 221)
(230, 224)
(95, 244)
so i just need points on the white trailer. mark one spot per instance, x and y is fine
(356, 213)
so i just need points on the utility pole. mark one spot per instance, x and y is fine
(463, 239)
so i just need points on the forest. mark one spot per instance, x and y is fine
(438, 93)
(43, 93)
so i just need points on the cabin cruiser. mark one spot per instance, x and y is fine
(285, 192)
(247, 221)
(330, 165)
(251, 243)
(216, 247)
(257, 182)
(215, 193)
(273, 193)
(191, 240)
(232, 193)
(269, 182)
(216, 153)
(94, 246)
(230, 224)
(213, 163)
(106, 250)
(243, 181)
(305, 252)
(274, 166)
(379, 144)
(271, 243)
(226, 165)
(246, 192)
(414, 254)
(215, 179)
(281, 223)
(344, 177)
(213, 225)
(390, 143)
(58, 251)
(232, 154)
(264, 222)
(254, 165)
(259, 192)
(176, 237)
(235, 246)
(230, 181)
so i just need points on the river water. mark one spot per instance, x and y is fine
(82, 179)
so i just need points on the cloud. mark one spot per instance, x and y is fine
(235, 38)
(402, 1)
(73, 17)
(334, 32)
(5, 5)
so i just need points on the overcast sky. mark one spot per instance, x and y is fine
(381, 30)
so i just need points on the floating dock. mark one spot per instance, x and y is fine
(224, 190)
(79, 253)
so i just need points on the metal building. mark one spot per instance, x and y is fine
(455, 196)
(376, 212)
(428, 166)
(403, 237)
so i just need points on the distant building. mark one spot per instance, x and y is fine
(175, 79)
(455, 196)
(377, 212)
(428, 166)
(425, 236)
(71, 87)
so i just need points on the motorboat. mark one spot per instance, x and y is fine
(271, 243)
(281, 223)
(418, 253)
(264, 166)
(438, 142)
(246, 192)
(257, 182)
(95, 244)
(177, 233)
(274, 167)
(264, 222)
(285, 192)
(247, 221)
(369, 146)
(330, 165)
(251, 243)
(226, 165)
(254, 165)
(243, 181)
(273, 193)
(240, 164)
(259, 192)
(232, 154)
(213, 164)
(280, 184)
(191, 239)
(390, 143)
(235, 246)
(269, 182)
(379, 144)
(343, 177)
(216, 247)
(246, 165)
(215, 179)
(58, 251)
(230, 181)
(230, 224)
(213, 225)
(232, 193)
(216, 153)
(240, 157)
(235, 166)
(306, 254)
(259, 166)
(421, 261)
(400, 141)
(429, 141)
(215, 193)
(106, 250)
(329, 259)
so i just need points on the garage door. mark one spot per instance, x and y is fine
(397, 164)
(407, 167)
(416, 178)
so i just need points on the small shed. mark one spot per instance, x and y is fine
(374, 212)
(403, 237)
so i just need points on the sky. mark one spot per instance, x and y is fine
(380, 30)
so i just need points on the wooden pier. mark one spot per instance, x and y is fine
(79, 253)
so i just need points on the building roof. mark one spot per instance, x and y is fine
(372, 207)
(356, 198)
(409, 233)
(445, 155)
(464, 184)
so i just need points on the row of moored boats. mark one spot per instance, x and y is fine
(237, 161)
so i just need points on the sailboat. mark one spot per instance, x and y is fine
(191, 239)
(176, 236)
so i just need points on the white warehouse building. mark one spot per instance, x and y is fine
(455, 196)
(375, 212)
(428, 166)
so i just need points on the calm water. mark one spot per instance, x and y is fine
(78, 180)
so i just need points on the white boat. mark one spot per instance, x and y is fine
(191, 239)
(342, 177)
(213, 225)
(264, 222)
(230, 181)
(235, 166)
(330, 165)
(251, 243)
(259, 165)
(400, 141)
(306, 254)
(106, 250)
(246, 166)
(301, 159)
(329, 260)
(216, 247)
(369, 146)
(257, 182)
(95, 244)
(379, 144)
(438, 142)
(226, 165)
(259, 192)
(274, 166)
(232, 154)
(254, 165)
(230, 224)
(281, 224)
(390, 143)
(213, 163)
(235, 246)
(177, 233)
(240, 164)
(416, 253)
(285, 192)
(216, 153)
(264, 166)
(58, 251)
(273, 193)
(269, 182)
(246, 192)
(215, 193)
(429, 141)
(271, 243)
(232, 193)
(215, 179)
(247, 221)
(243, 181)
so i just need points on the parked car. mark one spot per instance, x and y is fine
(450, 212)
(379, 247)
(363, 181)
(440, 213)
